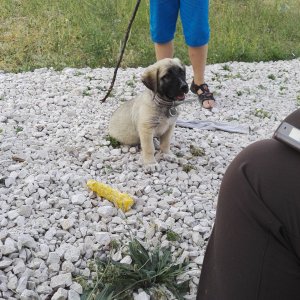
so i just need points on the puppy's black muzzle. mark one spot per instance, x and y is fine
(184, 87)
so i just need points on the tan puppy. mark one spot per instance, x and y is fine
(153, 113)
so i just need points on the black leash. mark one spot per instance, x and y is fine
(122, 50)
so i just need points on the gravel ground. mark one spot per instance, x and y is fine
(53, 139)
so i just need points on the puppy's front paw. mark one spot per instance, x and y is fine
(151, 168)
(169, 157)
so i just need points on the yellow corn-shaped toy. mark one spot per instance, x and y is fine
(121, 200)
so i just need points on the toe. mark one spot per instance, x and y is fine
(208, 104)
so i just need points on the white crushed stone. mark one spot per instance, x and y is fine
(53, 131)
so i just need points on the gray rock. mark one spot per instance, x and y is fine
(126, 260)
(44, 288)
(61, 280)
(22, 284)
(67, 267)
(13, 214)
(19, 267)
(76, 287)
(5, 262)
(72, 253)
(25, 210)
(61, 294)
(102, 238)
(106, 211)
(12, 283)
(78, 199)
(141, 295)
(44, 251)
(53, 258)
(66, 224)
(54, 267)
(9, 247)
(25, 240)
(73, 295)
(9, 181)
(29, 295)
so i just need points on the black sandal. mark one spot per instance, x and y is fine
(206, 93)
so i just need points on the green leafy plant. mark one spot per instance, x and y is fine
(226, 67)
(169, 192)
(188, 167)
(259, 112)
(272, 77)
(114, 244)
(179, 154)
(114, 143)
(172, 236)
(19, 129)
(151, 271)
(130, 83)
(196, 151)
(86, 92)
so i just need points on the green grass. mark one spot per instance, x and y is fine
(196, 151)
(113, 142)
(71, 33)
(187, 168)
(153, 271)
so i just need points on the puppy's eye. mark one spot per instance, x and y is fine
(166, 76)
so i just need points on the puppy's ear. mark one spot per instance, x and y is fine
(150, 78)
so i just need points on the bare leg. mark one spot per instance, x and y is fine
(198, 57)
(164, 50)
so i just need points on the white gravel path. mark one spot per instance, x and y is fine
(52, 140)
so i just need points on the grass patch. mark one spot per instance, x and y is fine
(188, 167)
(172, 236)
(153, 271)
(196, 151)
(179, 154)
(58, 34)
(261, 113)
(19, 129)
(113, 142)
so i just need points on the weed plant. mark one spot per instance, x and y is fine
(152, 271)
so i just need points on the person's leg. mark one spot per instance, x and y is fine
(164, 50)
(195, 22)
(253, 252)
(163, 18)
(198, 58)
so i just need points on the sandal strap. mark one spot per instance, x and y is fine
(195, 88)
(206, 96)
(206, 93)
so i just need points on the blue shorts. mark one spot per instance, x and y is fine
(194, 19)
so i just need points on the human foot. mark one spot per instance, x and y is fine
(204, 95)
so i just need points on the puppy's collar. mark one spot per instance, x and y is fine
(163, 102)
(172, 111)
